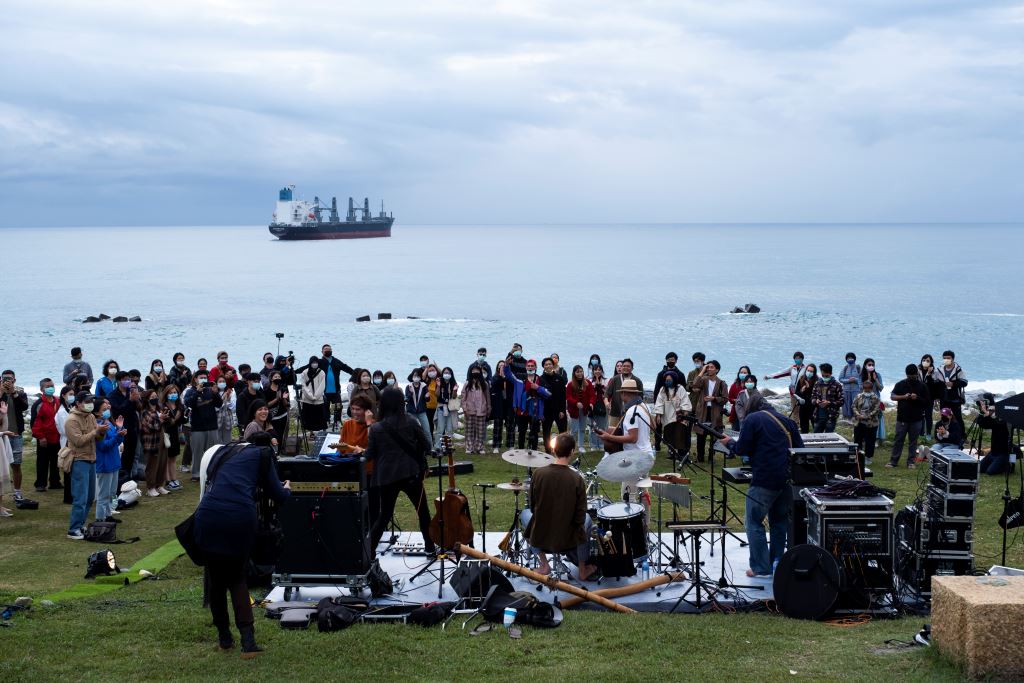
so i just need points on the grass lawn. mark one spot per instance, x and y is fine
(155, 630)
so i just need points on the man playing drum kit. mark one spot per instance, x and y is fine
(557, 520)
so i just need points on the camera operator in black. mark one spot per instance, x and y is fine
(554, 406)
(671, 358)
(998, 459)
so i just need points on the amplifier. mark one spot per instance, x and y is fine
(919, 533)
(956, 488)
(306, 469)
(953, 465)
(829, 458)
(950, 506)
(823, 504)
(858, 533)
(917, 569)
(324, 537)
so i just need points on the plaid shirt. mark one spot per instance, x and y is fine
(831, 392)
(152, 432)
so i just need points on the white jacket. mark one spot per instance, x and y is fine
(312, 394)
(666, 406)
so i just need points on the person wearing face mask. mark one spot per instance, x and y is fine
(911, 397)
(180, 375)
(828, 401)
(501, 410)
(126, 402)
(803, 394)
(171, 404)
(516, 361)
(528, 398)
(795, 372)
(746, 398)
(867, 412)
(416, 401)
(333, 369)
(448, 403)
(311, 396)
(108, 461)
(481, 364)
(849, 379)
(612, 391)
(579, 402)
(151, 425)
(67, 400)
(432, 378)
(954, 379)
(43, 421)
(77, 369)
(599, 411)
(279, 402)
(948, 430)
(157, 380)
(594, 362)
(421, 366)
(559, 370)
(83, 433)
(671, 359)
(202, 401)
(735, 389)
(671, 401)
(554, 409)
(870, 374)
(712, 396)
(106, 384)
(226, 411)
(698, 365)
(935, 385)
(476, 406)
(364, 386)
(248, 391)
(220, 368)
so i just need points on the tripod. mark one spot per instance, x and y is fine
(1006, 488)
(442, 552)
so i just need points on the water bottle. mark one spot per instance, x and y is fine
(774, 565)
(645, 569)
(510, 616)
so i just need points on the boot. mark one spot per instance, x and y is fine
(225, 641)
(249, 647)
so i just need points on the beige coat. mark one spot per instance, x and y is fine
(81, 431)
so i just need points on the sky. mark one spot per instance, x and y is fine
(513, 111)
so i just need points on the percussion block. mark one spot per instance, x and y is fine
(976, 621)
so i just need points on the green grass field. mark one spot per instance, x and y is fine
(157, 629)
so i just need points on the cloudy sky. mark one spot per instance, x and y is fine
(196, 111)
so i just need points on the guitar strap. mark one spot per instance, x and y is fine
(789, 437)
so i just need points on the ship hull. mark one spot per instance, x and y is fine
(332, 231)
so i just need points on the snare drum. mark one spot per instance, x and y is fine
(595, 503)
(625, 521)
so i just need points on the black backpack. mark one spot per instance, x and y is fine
(529, 610)
(105, 532)
(335, 614)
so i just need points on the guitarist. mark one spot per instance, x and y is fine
(765, 438)
(634, 430)
(397, 448)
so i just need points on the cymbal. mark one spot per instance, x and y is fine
(512, 486)
(644, 483)
(527, 458)
(627, 466)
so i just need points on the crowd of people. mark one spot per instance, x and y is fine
(128, 424)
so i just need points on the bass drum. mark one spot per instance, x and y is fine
(623, 538)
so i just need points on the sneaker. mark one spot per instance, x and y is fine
(115, 512)
(889, 465)
(183, 468)
(868, 461)
(152, 493)
(4, 512)
(76, 535)
(162, 491)
(494, 451)
(18, 497)
(40, 489)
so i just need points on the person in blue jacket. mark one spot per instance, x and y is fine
(225, 530)
(108, 461)
(528, 402)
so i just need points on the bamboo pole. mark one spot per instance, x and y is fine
(546, 580)
(659, 580)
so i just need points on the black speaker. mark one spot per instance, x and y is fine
(325, 536)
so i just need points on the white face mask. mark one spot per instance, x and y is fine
(431, 374)
(222, 385)
(87, 407)
(158, 369)
(111, 372)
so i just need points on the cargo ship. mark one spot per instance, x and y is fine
(297, 219)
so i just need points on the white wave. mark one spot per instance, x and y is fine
(996, 386)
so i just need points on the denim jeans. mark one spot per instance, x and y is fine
(601, 422)
(424, 422)
(824, 423)
(995, 463)
(776, 505)
(83, 493)
(578, 430)
(444, 423)
(106, 490)
(903, 430)
(578, 556)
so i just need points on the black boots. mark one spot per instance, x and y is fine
(249, 647)
(225, 641)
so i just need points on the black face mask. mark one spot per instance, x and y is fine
(327, 354)
(153, 402)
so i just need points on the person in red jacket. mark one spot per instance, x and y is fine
(221, 369)
(43, 418)
(735, 389)
(579, 402)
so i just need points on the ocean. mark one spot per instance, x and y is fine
(891, 292)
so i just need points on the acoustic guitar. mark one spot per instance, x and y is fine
(453, 506)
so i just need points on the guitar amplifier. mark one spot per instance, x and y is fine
(349, 471)
(326, 536)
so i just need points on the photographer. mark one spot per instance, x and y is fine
(202, 402)
(998, 459)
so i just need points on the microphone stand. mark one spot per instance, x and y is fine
(483, 512)
(1006, 490)
(442, 551)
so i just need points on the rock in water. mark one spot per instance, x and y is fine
(135, 319)
(91, 319)
(121, 319)
(736, 310)
(383, 316)
(751, 308)
(363, 319)
(103, 316)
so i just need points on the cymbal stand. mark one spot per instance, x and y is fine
(514, 549)
(483, 512)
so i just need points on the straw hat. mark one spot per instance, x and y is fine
(629, 385)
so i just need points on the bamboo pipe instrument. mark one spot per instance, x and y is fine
(627, 590)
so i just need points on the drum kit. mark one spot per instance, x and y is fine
(620, 540)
